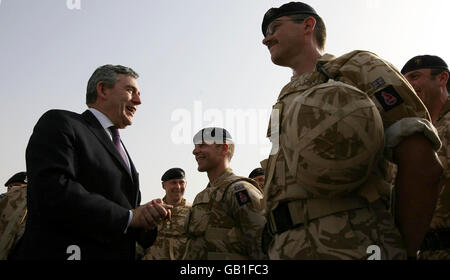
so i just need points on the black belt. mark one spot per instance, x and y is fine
(289, 215)
(282, 220)
(436, 239)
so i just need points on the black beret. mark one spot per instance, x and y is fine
(173, 173)
(424, 62)
(212, 134)
(291, 8)
(256, 172)
(20, 177)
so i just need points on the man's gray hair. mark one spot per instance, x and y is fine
(108, 75)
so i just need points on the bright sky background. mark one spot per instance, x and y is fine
(201, 63)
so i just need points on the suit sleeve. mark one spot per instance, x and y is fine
(54, 192)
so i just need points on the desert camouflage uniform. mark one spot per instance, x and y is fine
(171, 240)
(441, 217)
(361, 219)
(226, 221)
(13, 212)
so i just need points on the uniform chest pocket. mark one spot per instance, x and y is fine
(198, 218)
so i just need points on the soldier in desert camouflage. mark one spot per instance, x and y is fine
(171, 240)
(226, 221)
(258, 176)
(329, 172)
(13, 213)
(429, 76)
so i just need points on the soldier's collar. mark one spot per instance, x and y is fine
(298, 83)
(326, 58)
(225, 173)
(445, 109)
(183, 201)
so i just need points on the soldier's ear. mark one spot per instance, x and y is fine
(309, 25)
(443, 78)
(226, 148)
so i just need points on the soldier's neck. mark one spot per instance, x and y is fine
(215, 173)
(305, 62)
(174, 202)
(437, 105)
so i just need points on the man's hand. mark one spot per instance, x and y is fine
(150, 214)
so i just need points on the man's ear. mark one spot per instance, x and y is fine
(101, 90)
(309, 25)
(443, 79)
(226, 147)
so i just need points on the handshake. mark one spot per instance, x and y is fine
(150, 214)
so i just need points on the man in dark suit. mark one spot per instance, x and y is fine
(83, 190)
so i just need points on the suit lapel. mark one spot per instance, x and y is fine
(97, 129)
(135, 177)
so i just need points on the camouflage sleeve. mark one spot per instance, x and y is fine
(444, 134)
(391, 93)
(441, 216)
(12, 219)
(245, 205)
(408, 126)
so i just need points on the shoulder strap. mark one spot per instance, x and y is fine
(235, 179)
(330, 69)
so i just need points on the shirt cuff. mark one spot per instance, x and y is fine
(130, 217)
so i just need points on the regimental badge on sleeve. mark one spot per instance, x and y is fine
(388, 98)
(241, 195)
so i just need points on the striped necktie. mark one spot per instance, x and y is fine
(116, 140)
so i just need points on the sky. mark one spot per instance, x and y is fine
(201, 63)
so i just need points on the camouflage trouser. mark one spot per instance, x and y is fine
(344, 235)
(435, 255)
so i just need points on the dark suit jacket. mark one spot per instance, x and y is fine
(79, 192)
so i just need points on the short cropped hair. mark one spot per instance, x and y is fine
(108, 75)
(435, 72)
(230, 150)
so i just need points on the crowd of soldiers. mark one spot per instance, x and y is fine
(359, 158)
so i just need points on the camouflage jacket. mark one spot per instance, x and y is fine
(13, 213)
(226, 220)
(336, 223)
(171, 240)
(401, 111)
(441, 217)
